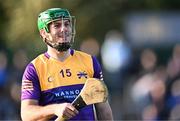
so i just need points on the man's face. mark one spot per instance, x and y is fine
(60, 31)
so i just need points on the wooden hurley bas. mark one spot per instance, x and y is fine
(94, 91)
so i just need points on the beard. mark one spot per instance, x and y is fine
(59, 46)
(63, 46)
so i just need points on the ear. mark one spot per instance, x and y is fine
(45, 36)
(43, 33)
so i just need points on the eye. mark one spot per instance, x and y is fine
(57, 25)
(67, 23)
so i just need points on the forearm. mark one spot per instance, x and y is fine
(35, 112)
(104, 116)
(104, 112)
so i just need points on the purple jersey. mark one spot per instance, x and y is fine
(51, 81)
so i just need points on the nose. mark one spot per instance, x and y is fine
(63, 27)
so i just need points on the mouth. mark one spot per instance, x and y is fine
(63, 34)
(62, 39)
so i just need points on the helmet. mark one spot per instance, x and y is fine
(54, 14)
(51, 15)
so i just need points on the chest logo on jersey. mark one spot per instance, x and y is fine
(82, 75)
(50, 79)
(67, 94)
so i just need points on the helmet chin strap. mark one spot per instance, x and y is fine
(61, 47)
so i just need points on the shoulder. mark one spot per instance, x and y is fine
(81, 53)
(84, 55)
(41, 59)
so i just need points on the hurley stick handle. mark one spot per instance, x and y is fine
(79, 103)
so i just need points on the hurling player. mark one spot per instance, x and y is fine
(53, 79)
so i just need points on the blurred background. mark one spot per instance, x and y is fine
(137, 43)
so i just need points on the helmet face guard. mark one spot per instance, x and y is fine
(54, 14)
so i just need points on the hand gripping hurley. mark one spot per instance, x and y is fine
(94, 91)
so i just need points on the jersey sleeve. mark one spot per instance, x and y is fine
(97, 69)
(30, 84)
